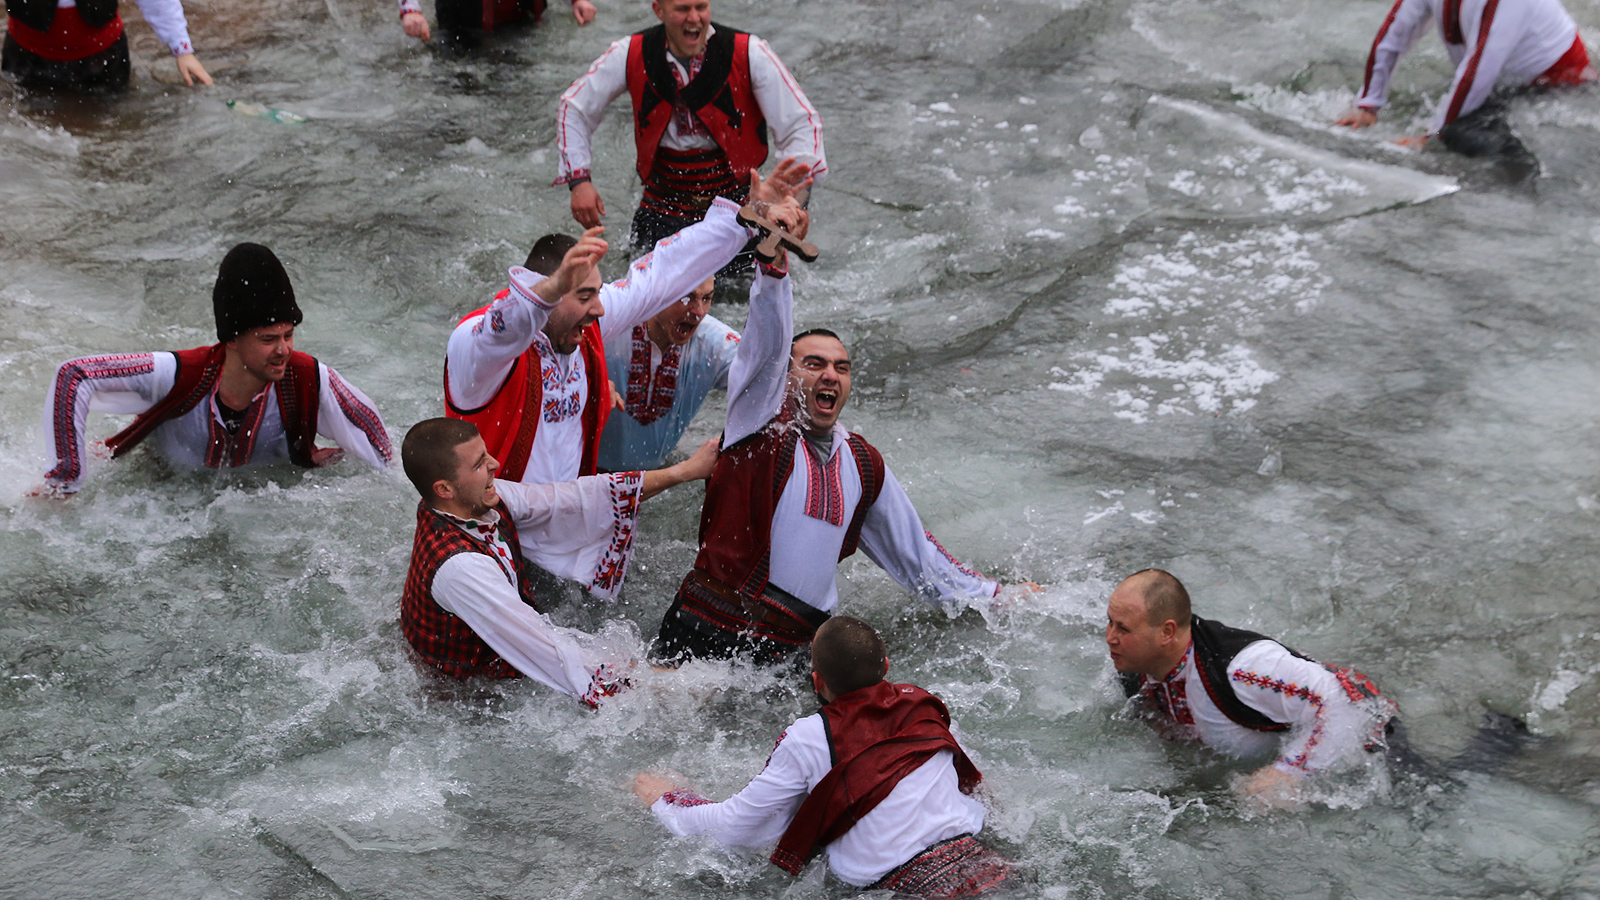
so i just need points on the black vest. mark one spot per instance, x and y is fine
(38, 14)
(1215, 646)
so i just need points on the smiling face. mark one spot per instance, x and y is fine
(688, 25)
(819, 373)
(676, 325)
(264, 352)
(575, 312)
(471, 492)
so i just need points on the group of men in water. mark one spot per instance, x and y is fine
(564, 396)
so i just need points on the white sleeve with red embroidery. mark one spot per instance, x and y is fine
(760, 813)
(346, 417)
(677, 265)
(1406, 22)
(167, 21)
(1326, 723)
(581, 529)
(119, 384)
(584, 102)
(483, 348)
(410, 6)
(796, 126)
(893, 537)
(758, 381)
(473, 586)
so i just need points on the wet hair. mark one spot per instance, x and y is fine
(817, 332)
(545, 257)
(848, 654)
(1164, 597)
(428, 452)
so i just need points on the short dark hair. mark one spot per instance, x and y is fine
(1164, 596)
(545, 257)
(817, 332)
(428, 452)
(848, 654)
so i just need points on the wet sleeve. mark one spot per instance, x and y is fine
(677, 265)
(1406, 22)
(893, 537)
(760, 813)
(581, 529)
(346, 417)
(410, 6)
(796, 126)
(167, 21)
(484, 348)
(1491, 37)
(581, 106)
(1325, 724)
(472, 586)
(127, 383)
(727, 352)
(758, 380)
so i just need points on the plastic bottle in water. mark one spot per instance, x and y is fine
(266, 112)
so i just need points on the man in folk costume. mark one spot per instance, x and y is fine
(1490, 42)
(703, 97)
(79, 46)
(250, 398)
(664, 371)
(468, 606)
(458, 16)
(530, 369)
(793, 493)
(876, 780)
(1239, 692)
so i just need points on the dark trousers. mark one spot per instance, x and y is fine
(103, 73)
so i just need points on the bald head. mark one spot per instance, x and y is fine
(1147, 623)
(1163, 595)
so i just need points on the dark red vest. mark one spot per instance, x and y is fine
(440, 637)
(876, 736)
(199, 370)
(67, 34)
(510, 419)
(742, 495)
(721, 96)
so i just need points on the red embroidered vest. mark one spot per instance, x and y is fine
(721, 96)
(299, 398)
(440, 637)
(742, 495)
(876, 736)
(504, 422)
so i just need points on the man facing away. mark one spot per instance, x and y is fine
(250, 398)
(1514, 42)
(875, 779)
(1236, 691)
(793, 494)
(530, 369)
(468, 606)
(703, 96)
(665, 369)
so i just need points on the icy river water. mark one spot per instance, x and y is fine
(1119, 297)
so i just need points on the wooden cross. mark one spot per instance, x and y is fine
(774, 235)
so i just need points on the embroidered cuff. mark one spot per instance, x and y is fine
(523, 282)
(778, 268)
(182, 48)
(576, 176)
(684, 797)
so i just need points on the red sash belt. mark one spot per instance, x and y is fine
(1569, 69)
(69, 37)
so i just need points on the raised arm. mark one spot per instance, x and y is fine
(893, 537)
(758, 380)
(484, 347)
(123, 383)
(678, 264)
(346, 417)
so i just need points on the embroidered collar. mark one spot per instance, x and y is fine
(1178, 670)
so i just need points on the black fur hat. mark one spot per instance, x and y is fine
(252, 290)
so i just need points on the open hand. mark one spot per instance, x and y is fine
(1359, 117)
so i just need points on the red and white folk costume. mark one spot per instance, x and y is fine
(468, 607)
(493, 355)
(1512, 42)
(923, 807)
(64, 30)
(697, 135)
(1310, 715)
(190, 429)
(771, 538)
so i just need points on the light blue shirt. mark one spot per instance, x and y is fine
(703, 364)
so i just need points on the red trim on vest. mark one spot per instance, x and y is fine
(741, 136)
(299, 396)
(502, 422)
(742, 496)
(69, 38)
(876, 736)
(440, 637)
